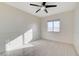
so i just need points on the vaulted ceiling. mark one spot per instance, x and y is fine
(61, 7)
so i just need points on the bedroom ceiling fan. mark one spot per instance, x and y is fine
(43, 7)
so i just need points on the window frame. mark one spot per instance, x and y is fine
(53, 26)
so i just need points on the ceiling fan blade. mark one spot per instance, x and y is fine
(48, 6)
(35, 5)
(46, 10)
(37, 10)
(43, 3)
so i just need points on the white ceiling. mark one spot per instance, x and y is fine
(61, 7)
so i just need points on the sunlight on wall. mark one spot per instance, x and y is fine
(15, 44)
(20, 41)
(28, 36)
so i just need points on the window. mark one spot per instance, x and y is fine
(54, 26)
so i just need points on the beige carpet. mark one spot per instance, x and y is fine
(45, 48)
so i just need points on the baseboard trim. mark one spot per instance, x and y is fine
(59, 42)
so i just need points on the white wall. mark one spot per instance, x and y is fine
(66, 34)
(14, 22)
(76, 29)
